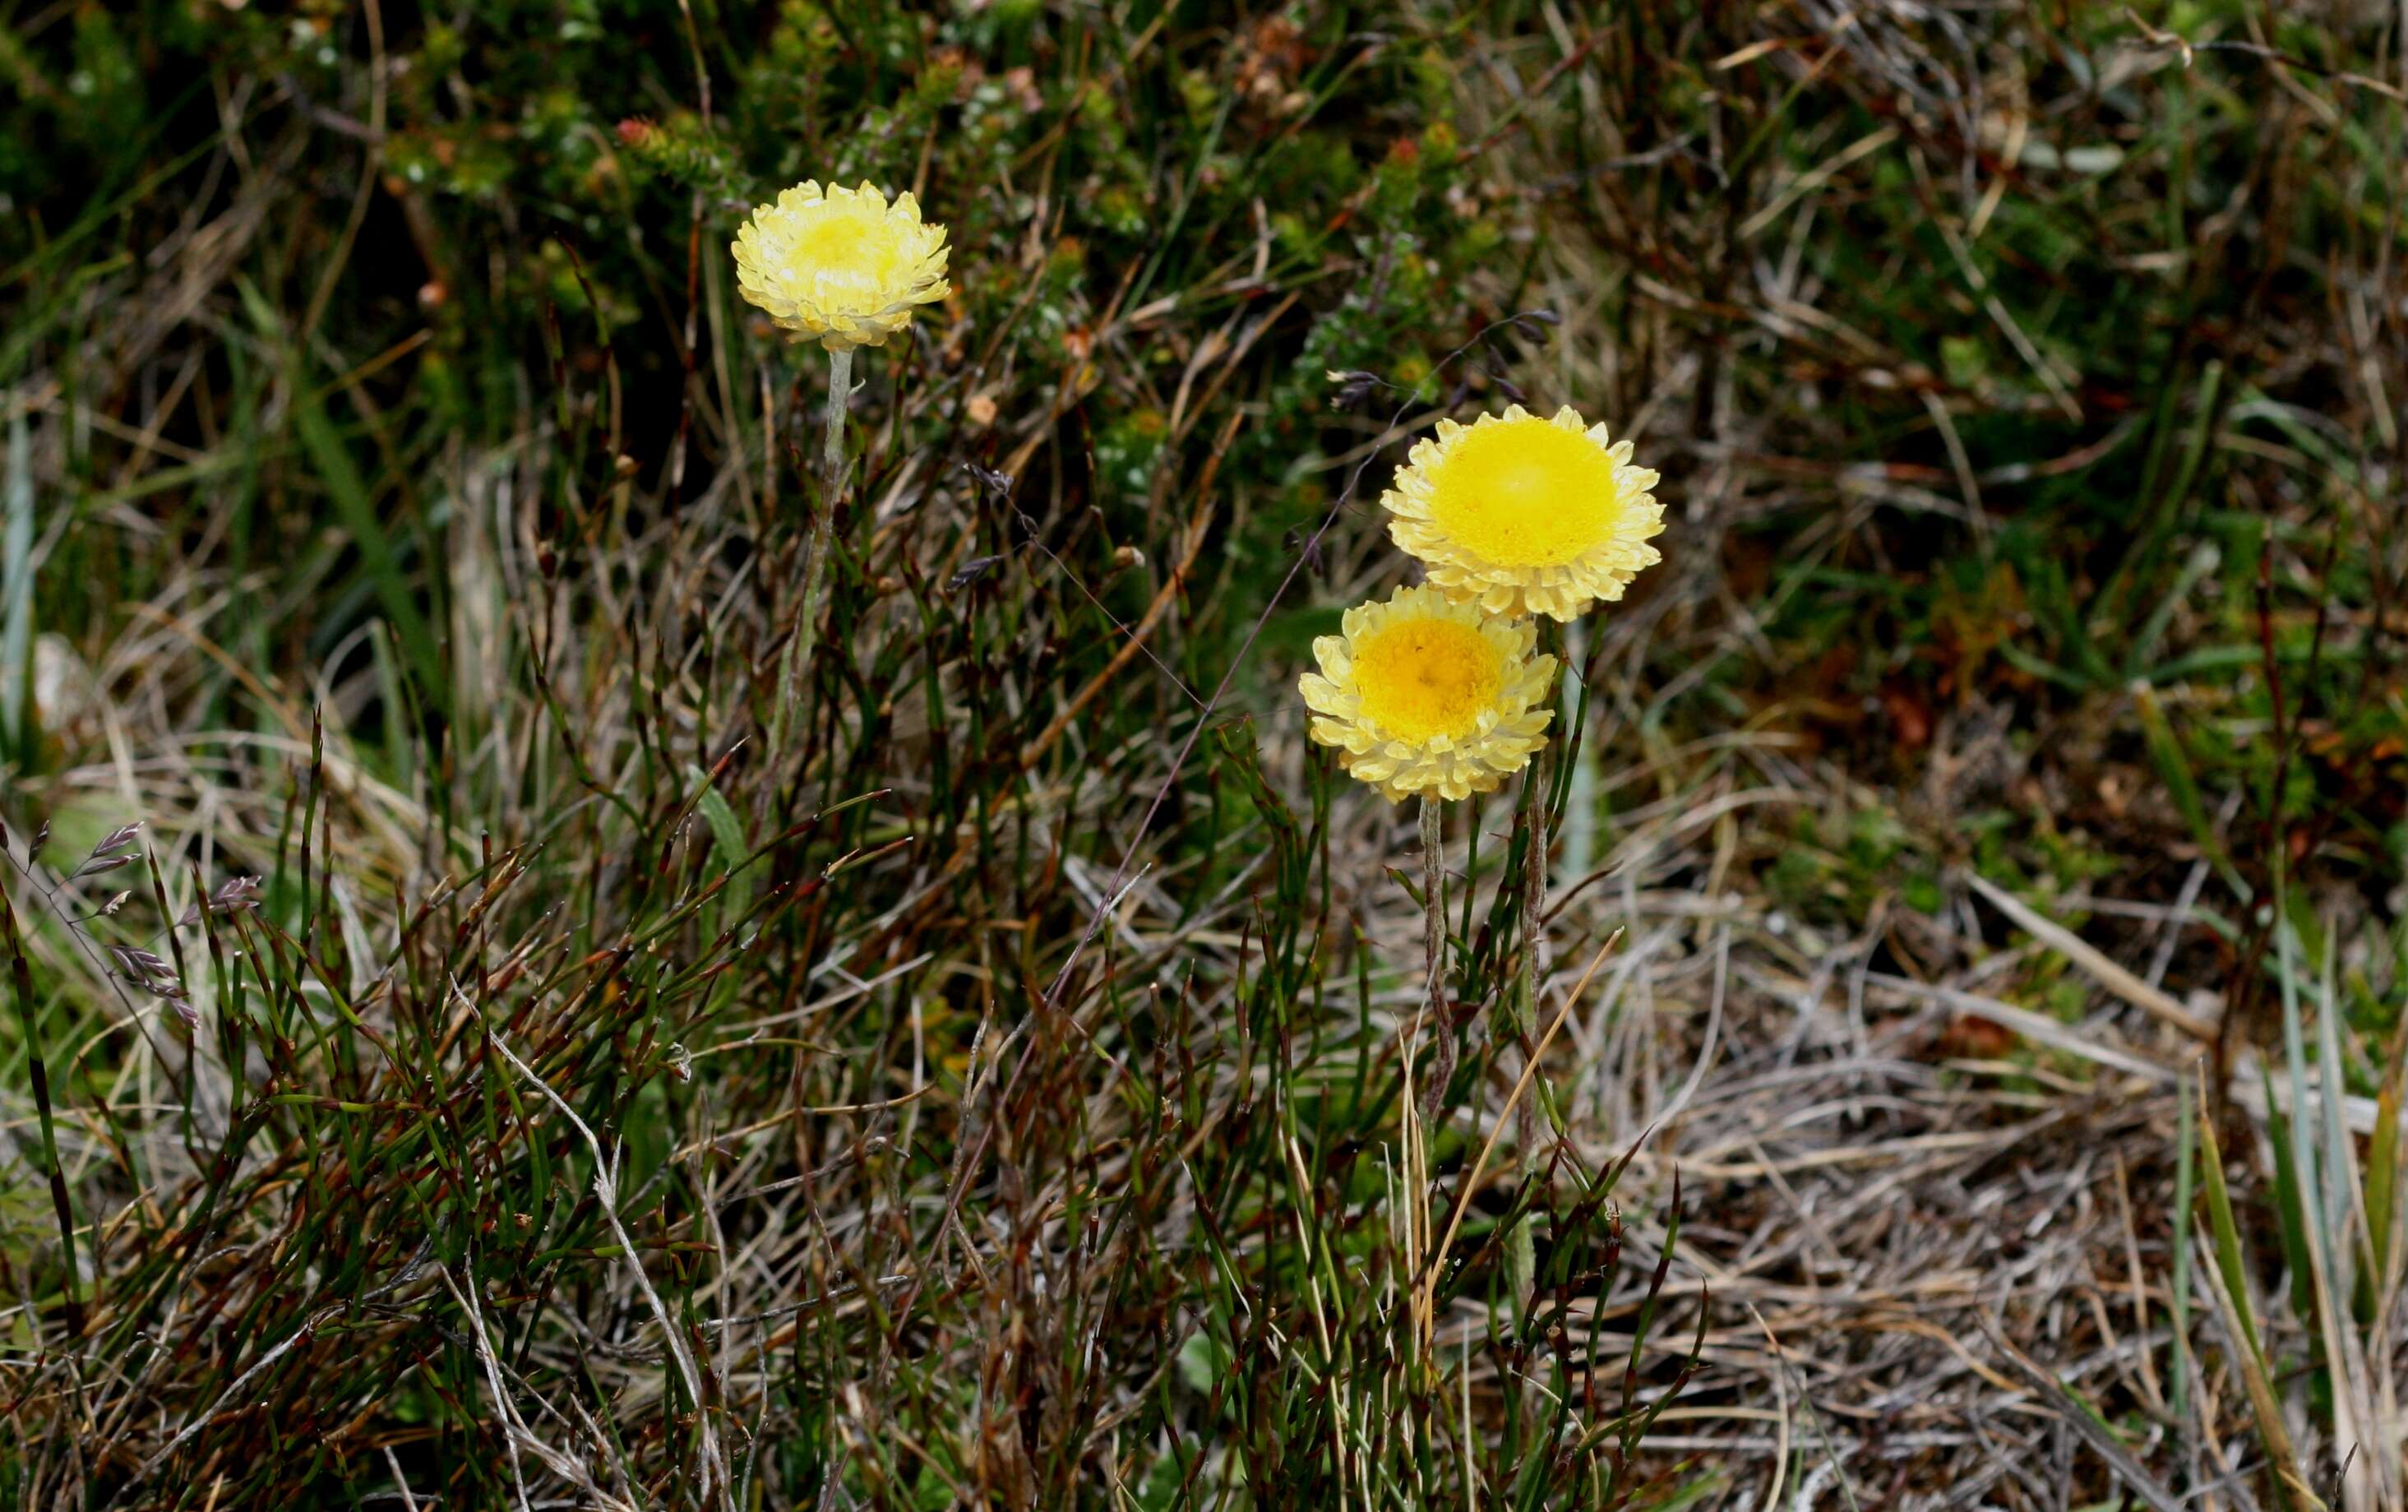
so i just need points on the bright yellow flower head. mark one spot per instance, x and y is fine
(1526, 515)
(1422, 694)
(841, 267)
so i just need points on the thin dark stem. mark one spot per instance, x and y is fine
(39, 1073)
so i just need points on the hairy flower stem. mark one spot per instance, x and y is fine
(1415, 1185)
(1441, 1012)
(807, 623)
(1434, 896)
(1534, 891)
(1534, 895)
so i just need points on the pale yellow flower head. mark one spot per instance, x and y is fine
(1526, 515)
(841, 267)
(1426, 695)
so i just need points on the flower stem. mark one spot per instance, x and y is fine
(1415, 1187)
(1434, 896)
(807, 623)
(1534, 888)
(1535, 782)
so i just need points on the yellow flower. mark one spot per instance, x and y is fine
(1525, 515)
(841, 267)
(1422, 694)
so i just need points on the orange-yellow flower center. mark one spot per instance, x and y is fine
(1525, 493)
(1420, 678)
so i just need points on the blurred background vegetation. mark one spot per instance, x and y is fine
(994, 1084)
